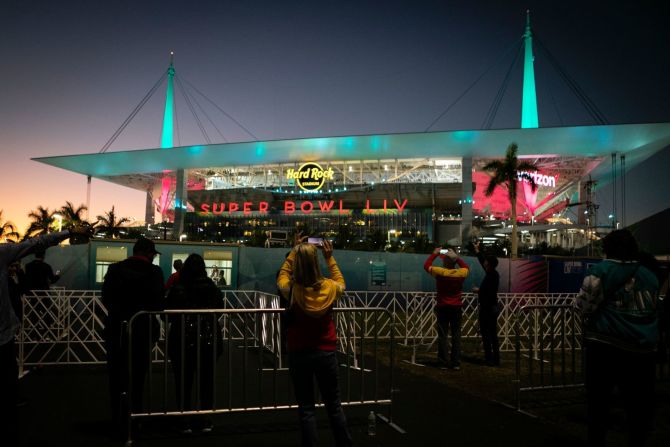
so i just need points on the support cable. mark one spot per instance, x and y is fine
(132, 115)
(588, 104)
(195, 101)
(193, 111)
(221, 110)
(553, 103)
(495, 105)
(450, 106)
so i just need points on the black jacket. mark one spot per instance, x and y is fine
(39, 275)
(201, 293)
(488, 290)
(131, 286)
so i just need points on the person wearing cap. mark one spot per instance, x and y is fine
(9, 324)
(448, 304)
(131, 286)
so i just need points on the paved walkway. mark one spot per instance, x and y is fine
(68, 406)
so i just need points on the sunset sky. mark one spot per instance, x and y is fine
(72, 71)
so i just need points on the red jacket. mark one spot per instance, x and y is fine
(449, 282)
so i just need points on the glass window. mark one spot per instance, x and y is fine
(104, 256)
(219, 264)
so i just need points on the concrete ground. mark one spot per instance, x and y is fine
(68, 405)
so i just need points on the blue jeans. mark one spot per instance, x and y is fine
(322, 365)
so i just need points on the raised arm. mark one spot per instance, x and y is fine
(461, 271)
(429, 262)
(285, 274)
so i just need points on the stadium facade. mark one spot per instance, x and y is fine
(403, 186)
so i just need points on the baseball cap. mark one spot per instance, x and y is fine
(144, 245)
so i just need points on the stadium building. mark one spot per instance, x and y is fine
(400, 186)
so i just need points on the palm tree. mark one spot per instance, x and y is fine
(110, 224)
(71, 215)
(506, 174)
(42, 220)
(7, 230)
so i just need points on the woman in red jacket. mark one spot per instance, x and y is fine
(312, 340)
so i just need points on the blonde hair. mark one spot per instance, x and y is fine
(306, 271)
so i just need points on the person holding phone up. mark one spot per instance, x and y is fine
(448, 303)
(312, 339)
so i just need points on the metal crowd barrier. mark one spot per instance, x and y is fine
(549, 353)
(61, 327)
(246, 375)
(415, 318)
(65, 326)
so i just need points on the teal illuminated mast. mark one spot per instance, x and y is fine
(166, 138)
(529, 117)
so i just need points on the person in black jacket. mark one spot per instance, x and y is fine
(131, 286)
(39, 277)
(194, 340)
(39, 274)
(488, 307)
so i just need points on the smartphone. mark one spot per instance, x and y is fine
(315, 241)
(444, 251)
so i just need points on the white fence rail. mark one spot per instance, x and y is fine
(66, 326)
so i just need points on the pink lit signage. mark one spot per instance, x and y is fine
(303, 207)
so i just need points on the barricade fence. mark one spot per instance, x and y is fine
(209, 371)
(543, 330)
(66, 326)
(549, 353)
(61, 326)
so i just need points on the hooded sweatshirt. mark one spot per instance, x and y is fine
(310, 323)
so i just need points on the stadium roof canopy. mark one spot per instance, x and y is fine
(636, 141)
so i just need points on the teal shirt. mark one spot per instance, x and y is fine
(620, 304)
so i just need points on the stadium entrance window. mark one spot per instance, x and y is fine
(219, 264)
(104, 257)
